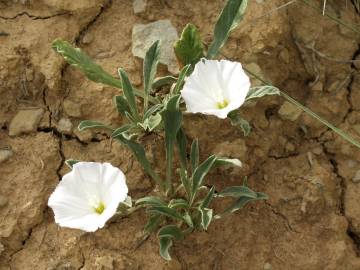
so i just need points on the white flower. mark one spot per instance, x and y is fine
(88, 196)
(215, 87)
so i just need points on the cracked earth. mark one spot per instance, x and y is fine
(312, 219)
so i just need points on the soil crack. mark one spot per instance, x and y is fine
(33, 17)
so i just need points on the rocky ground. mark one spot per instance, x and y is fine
(312, 219)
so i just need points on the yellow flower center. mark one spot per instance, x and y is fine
(223, 104)
(100, 209)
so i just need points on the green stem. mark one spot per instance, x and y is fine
(169, 161)
(311, 113)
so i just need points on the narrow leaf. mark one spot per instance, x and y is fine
(70, 162)
(181, 143)
(166, 211)
(206, 217)
(207, 200)
(119, 131)
(178, 203)
(189, 48)
(237, 191)
(165, 244)
(162, 81)
(140, 155)
(237, 120)
(185, 181)
(260, 91)
(188, 219)
(171, 231)
(122, 105)
(194, 155)
(230, 17)
(153, 109)
(92, 124)
(183, 73)
(153, 223)
(150, 201)
(199, 175)
(227, 161)
(150, 65)
(129, 93)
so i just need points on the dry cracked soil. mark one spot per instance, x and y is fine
(312, 219)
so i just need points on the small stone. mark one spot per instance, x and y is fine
(87, 38)
(25, 121)
(318, 86)
(65, 126)
(289, 111)
(256, 69)
(290, 147)
(5, 154)
(267, 266)
(356, 178)
(84, 136)
(1, 248)
(3, 201)
(139, 6)
(144, 35)
(104, 263)
(72, 109)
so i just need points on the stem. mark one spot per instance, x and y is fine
(311, 113)
(169, 160)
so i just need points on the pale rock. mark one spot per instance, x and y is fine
(289, 111)
(71, 5)
(1, 248)
(233, 149)
(144, 35)
(72, 109)
(256, 69)
(65, 126)
(25, 121)
(139, 6)
(268, 266)
(5, 154)
(84, 135)
(356, 178)
(284, 55)
(87, 38)
(318, 86)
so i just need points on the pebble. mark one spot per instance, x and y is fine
(144, 35)
(5, 154)
(267, 266)
(25, 121)
(65, 126)
(289, 111)
(87, 38)
(1, 248)
(139, 6)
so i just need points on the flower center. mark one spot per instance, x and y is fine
(223, 104)
(100, 208)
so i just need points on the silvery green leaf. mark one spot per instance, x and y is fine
(140, 155)
(209, 196)
(153, 109)
(230, 17)
(162, 81)
(79, 59)
(183, 73)
(127, 202)
(122, 105)
(237, 191)
(119, 131)
(129, 93)
(165, 211)
(227, 161)
(70, 162)
(178, 203)
(185, 181)
(206, 217)
(260, 91)
(153, 223)
(171, 231)
(92, 124)
(237, 120)
(199, 175)
(189, 48)
(172, 118)
(165, 244)
(188, 219)
(150, 201)
(181, 143)
(194, 154)
(241, 202)
(152, 122)
(150, 65)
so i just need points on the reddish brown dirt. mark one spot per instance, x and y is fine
(312, 219)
